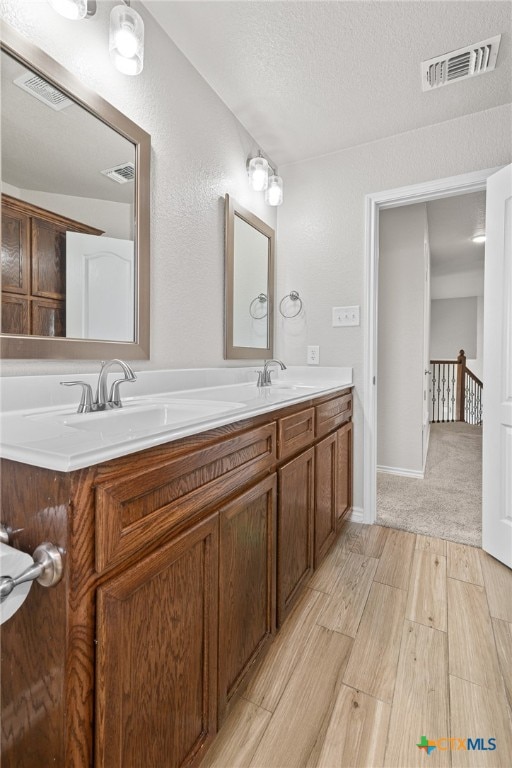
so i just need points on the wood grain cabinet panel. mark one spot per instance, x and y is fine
(48, 317)
(15, 251)
(326, 470)
(15, 314)
(48, 259)
(141, 508)
(247, 585)
(295, 530)
(343, 473)
(295, 432)
(156, 692)
(333, 414)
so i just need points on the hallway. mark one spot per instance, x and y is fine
(447, 503)
(397, 637)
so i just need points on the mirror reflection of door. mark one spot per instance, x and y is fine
(100, 287)
(250, 286)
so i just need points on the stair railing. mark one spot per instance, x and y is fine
(455, 392)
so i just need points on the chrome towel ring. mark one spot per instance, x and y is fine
(293, 296)
(262, 299)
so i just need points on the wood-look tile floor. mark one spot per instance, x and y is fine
(397, 636)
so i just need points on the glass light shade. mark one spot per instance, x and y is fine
(126, 40)
(70, 9)
(274, 192)
(258, 173)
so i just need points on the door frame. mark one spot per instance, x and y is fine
(475, 181)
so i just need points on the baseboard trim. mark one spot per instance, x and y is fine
(356, 515)
(402, 472)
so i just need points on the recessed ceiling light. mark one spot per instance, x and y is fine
(478, 238)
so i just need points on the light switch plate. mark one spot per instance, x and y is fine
(345, 316)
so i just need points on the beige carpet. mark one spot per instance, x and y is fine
(448, 502)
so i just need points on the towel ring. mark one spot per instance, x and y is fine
(262, 298)
(293, 296)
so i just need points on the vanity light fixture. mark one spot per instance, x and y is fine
(480, 238)
(74, 9)
(274, 191)
(257, 169)
(126, 39)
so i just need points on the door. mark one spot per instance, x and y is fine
(100, 287)
(247, 585)
(344, 473)
(295, 530)
(426, 348)
(325, 496)
(156, 655)
(497, 427)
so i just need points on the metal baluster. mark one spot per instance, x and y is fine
(438, 389)
(454, 398)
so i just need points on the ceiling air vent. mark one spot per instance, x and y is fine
(461, 64)
(43, 91)
(121, 173)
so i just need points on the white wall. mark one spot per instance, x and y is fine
(199, 152)
(321, 229)
(457, 285)
(453, 326)
(402, 288)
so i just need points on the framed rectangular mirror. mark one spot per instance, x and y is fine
(75, 216)
(249, 272)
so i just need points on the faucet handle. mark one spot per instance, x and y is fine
(114, 398)
(85, 404)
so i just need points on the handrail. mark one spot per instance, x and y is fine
(456, 392)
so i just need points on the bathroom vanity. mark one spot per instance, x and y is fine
(181, 562)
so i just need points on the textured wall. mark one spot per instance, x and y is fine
(321, 229)
(453, 326)
(199, 151)
(403, 232)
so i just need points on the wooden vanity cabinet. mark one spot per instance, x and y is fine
(178, 561)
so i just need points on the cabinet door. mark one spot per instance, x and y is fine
(325, 496)
(295, 530)
(247, 584)
(48, 259)
(15, 313)
(156, 686)
(344, 473)
(48, 317)
(15, 251)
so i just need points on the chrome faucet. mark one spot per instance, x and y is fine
(102, 402)
(264, 379)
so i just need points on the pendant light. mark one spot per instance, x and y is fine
(258, 173)
(274, 191)
(126, 40)
(70, 9)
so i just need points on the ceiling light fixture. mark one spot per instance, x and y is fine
(257, 169)
(73, 9)
(274, 192)
(478, 238)
(126, 39)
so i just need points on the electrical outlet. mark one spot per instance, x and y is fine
(345, 316)
(313, 355)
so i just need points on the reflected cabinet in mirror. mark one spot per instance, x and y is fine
(75, 216)
(249, 284)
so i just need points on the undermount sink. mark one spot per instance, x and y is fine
(139, 417)
(289, 386)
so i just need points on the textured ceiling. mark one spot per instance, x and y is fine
(60, 152)
(309, 78)
(452, 222)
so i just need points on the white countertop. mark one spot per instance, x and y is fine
(39, 424)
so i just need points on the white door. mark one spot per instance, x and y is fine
(100, 287)
(497, 411)
(426, 348)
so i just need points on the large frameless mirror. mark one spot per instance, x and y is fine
(75, 216)
(249, 284)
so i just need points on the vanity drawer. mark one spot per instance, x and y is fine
(295, 432)
(332, 414)
(144, 507)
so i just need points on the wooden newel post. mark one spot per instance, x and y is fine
(461, 376)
